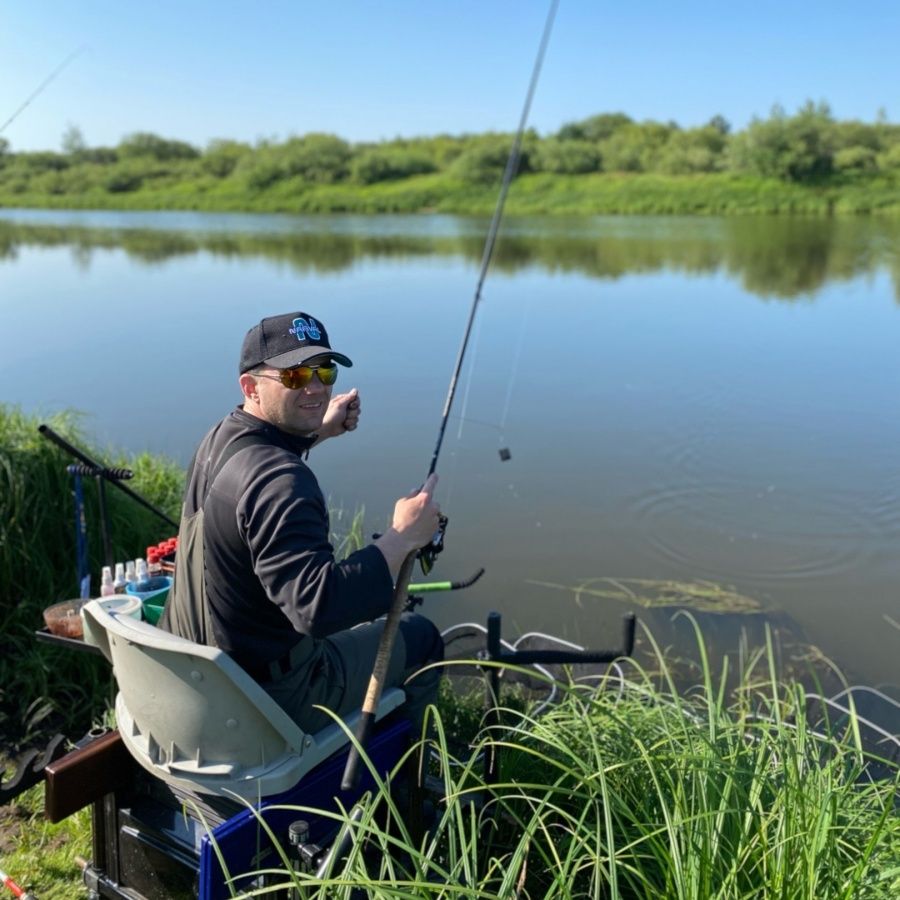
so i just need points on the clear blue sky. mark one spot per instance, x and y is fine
(372, 70)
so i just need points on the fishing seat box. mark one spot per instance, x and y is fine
(216, 758)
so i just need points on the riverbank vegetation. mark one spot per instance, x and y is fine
(631, 788)
(627, 787)
(805, 163)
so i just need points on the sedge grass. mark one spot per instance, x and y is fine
(630, 789)
(642, 792)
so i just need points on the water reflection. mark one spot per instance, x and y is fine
(693, 432)
(784, 259)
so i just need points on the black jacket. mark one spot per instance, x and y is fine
(268, 570)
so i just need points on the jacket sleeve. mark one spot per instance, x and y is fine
(284, 522)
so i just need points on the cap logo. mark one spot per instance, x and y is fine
(308, 327)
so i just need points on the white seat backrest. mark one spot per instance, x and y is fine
(192, 716)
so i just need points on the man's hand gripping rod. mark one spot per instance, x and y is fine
(386, 646)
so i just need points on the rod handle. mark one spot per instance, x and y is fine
(351, 769)
(379, 669)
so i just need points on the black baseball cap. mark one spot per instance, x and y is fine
(285, 341)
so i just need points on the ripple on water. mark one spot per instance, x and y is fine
(766, 533)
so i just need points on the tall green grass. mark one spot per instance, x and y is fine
(634, 790)
(41, 685)
(625, 789)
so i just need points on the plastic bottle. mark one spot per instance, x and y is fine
(119, 580)
(142, 575)
(130, 573)
(153, 564)
(107, 588)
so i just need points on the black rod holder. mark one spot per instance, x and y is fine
(95, 472)
(500, 657)
(102, 475)
(51, 435)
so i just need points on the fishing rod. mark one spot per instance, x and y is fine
(41, 87)
(428, 553)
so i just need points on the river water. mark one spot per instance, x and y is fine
(701, 413)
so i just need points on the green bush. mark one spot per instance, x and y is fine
(260, 170)
(222, 156)
(316, 158)
(594, 128)
(389, 164)
(484, 159)
(695, 150)
(146, 144)
(793, 148)
(856, 158)
(101, 156)
(42, 161)
(890, 159)
(122, 180)
(635, 147)
(566, 157)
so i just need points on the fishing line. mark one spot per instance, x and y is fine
(513, 375)
(40, 88)
(499, 426)
(468, 388)
(462, 420)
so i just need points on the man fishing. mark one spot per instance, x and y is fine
(255, 573)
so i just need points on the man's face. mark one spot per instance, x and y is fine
(299, 412)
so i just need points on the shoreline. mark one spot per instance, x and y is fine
(719, 194)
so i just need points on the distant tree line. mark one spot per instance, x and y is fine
(808, 147)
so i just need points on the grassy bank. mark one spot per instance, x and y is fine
(536, 193)
(630, 789)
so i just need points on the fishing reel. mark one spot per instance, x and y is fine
(427, 554)
(430, 551)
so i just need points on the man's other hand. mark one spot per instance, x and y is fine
(342, 415)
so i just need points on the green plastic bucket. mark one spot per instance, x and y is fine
(153, 607)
